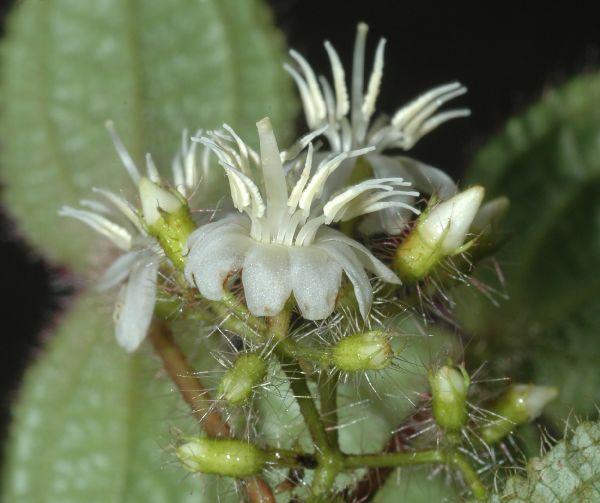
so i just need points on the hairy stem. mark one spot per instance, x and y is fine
(394, 459)
(307, 405)
(471, 477)
(189, 386)
(196, 396)
(329, 414)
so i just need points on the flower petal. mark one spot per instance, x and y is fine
(424, 178)
(347, 259)
(121, 268)
(230, 223)
(266, 279)
(211, 260)
(134, 315)
(364, 255)
(316, 280)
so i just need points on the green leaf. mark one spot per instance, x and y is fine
(95, 424)
(569, 473)
(548, 163)
(417, 485)
(153, 67)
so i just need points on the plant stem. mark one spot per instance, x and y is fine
(327, 454)
(394, 459)
(376, 477)
(328, 395)
(469, 474)
(196, 396)
(307, 405)
(190, 387)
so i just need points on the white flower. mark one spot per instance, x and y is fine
(139, 265)
(347, 119)
(283, 244)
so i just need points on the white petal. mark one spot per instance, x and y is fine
(231, 223)
(210, 261)
(423, 177)
(374, 82)
(339, 82)
(135, 314)
(121, 267)
(426, 179)
(367, 259)
(266, 279)
(117, 234)
(123, 154)
(316, 280)
(358, 69)
(347, 259)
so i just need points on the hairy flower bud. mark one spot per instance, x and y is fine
(362, 351)
(519, 404)
(449, 390)
(440, 232)
(238, 382)
(227, 457)
(167, 217)
(156, 200)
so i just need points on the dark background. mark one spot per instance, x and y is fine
(505, 53)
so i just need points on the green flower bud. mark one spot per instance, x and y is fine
(362, 351)
(227, 457)
(519, 404)
(440, 232)
(167, 217)
(238, 382)
(449, 390)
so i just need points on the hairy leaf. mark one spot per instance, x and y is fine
(548, 163)
(418, 485)
(94, 424)
(569, 473)
(152, 67)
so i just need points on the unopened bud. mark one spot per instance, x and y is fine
(449, 390)
(441, 231)
(519, 404)
(239, 381)
(156, 200)
(227, 457)
(167, 217)
(362, 351)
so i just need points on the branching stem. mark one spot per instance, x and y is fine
(196, 396)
